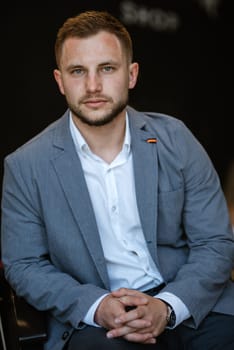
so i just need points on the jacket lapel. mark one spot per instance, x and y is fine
(68, 168)
(145, 160)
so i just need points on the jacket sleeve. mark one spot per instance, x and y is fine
(201, 280)
(25, 252)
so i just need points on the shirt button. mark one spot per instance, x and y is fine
(113, 208)
(134, 253)
(65, 335)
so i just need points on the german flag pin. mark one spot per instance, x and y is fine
(151, 140)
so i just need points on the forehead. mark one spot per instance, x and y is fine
(103, 45)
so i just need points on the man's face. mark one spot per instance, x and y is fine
(95, 76)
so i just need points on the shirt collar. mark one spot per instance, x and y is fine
(81, 144)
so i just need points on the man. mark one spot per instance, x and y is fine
(114, 220)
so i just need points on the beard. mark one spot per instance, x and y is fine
(105, 118)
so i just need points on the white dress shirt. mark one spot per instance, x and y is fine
(112, 192)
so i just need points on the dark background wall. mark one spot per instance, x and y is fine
(183, 47)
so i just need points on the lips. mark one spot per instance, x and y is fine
(95, 102)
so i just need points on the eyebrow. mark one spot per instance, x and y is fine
(73, 66)
(111, 62)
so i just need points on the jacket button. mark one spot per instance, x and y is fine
(65, 335)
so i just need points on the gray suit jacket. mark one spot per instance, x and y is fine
(51, 247)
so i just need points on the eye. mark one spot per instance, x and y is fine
(78, 71)
(108, 69)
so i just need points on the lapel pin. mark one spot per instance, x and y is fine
(151, 140)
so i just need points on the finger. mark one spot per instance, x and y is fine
(133, 300)
(146, 338)
(138, 324)
(125, 291)
(119, 332)
(131, 315)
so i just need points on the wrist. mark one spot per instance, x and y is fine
(171, 316)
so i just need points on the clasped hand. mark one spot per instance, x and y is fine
(145, 320)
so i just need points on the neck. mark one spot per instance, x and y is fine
(105, 141)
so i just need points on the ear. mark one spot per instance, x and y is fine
(58, 78)
(133, 74)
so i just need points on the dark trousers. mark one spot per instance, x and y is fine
(216, 332)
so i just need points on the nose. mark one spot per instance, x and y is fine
(93, 82)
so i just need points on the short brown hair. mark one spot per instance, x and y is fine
(90, 23)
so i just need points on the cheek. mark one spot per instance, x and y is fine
(72, 89)
(118, 86)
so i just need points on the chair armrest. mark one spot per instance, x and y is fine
(21, 323)
(30, 323)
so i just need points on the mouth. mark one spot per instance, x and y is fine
(95, 102)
